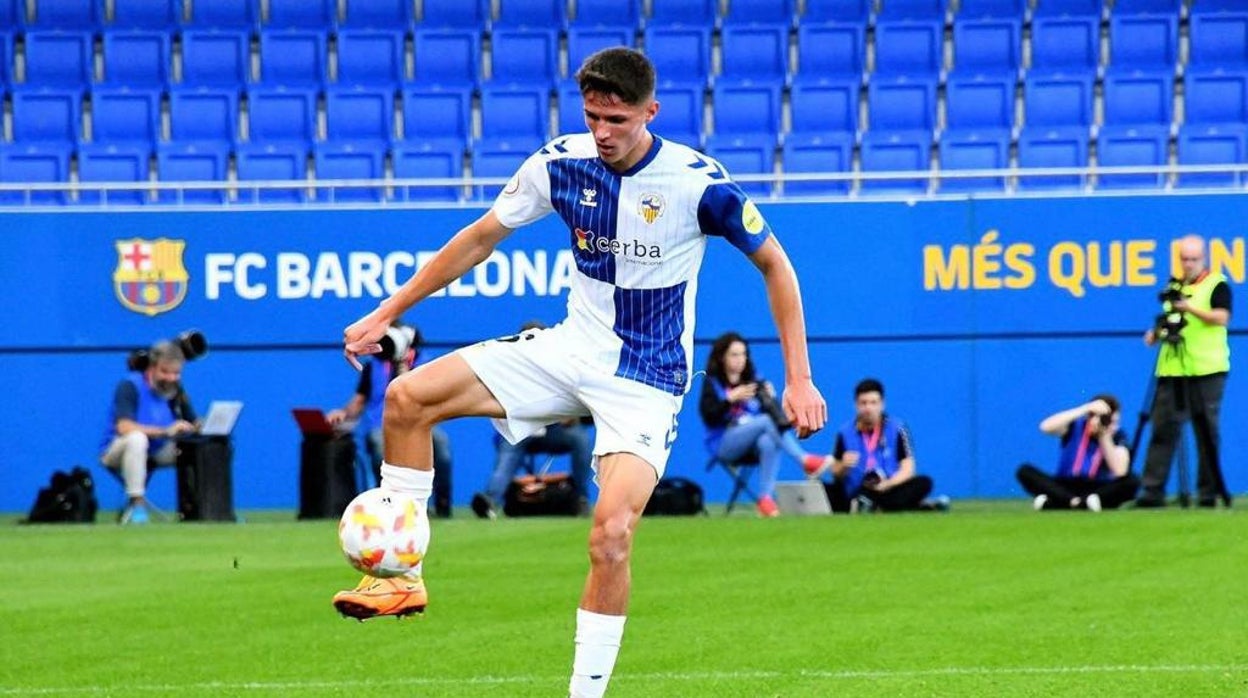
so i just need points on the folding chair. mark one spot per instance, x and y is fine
(739, 470)
(127, 511)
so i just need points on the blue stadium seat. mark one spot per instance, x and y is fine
(902, 105)
(58, 59)
(572, 110)
(586, 41)
(679, 53)
(824, 107)
(979, 103)
(448, 57)
(543, 14)
(281, 115)
(66, 14)
(1073, 8)
(370, 57)
(271, 162)
(755, 52)
(112, 163)
(1058, 100)
(747, 110)
(497, 158)
(1065, 43)
(437, 116)
(34, 164)
(1138, 98)
(1146, 7)
(896, 152)
(6, 59)
(971, 9)
(303, 14)
(830, 50)
(213, 57)
(147, 14)
(379, 14)
(455, 14)
(42, 116)
(1040, 147)
(360, 115)
(517, 115)
(818, 154)
(772, 12)
(1214, 6)
(904, 47)
(121, 115)
(694, 13)
(914, 9)
(681, 118)
(1211, 145)
(203, 115)
(988, 46)
(12, 14)
(1216, 98)
(1219, 40)
(621, 14)
(837, 11)
(744, 156)
(136, 58)
(425, 161)
(225, 14)
(1148, 42)
(973, 150)
(1130, 146)
(349, 161)
(525, 56)
(295, 57)
(192, 162)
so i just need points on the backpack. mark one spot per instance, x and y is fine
(69, 498)
(675, 496)
(541, 495)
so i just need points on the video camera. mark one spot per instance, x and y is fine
(191, 342)
(1170, 322)
(398, 340)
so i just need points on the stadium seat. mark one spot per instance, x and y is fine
(1009, 9)
(66, 14)
(349, 161)
(1074, 8)
(1138, 98)
(1213, 6)
(447, 57)
(693, 13)
(586, 41)
(830, 50)
(979, 103)
(1216, 98)
(619, 14)
(192, 162)
(203, 115)
(146, 14)
(46, 116)
(34, 164)
(58, 59)
(824, 107)
(973, 150)
(379, 14)
(988, 46)
(747, 110)
(1060, 100)
(679, 53)
(1149, 42)
(6, 60)
(681, 118)
(755, 52)
(236, 15)
(433, 115)
(271, 163)
(1065, 43)
(121, 115)
(360, 115)
(1219, 40)
(497, 158)
(896, 152)
(902, 105)
(518, 115)
(293, 57)
(534, 14)
(904, 47)
(370, 57)
(744, 156)
(571, 110)
(837, 11)
(1039, 147)
(423, 161)
(302, 14)
(136, 58)
(281, 115)
(525, 56)
(818, 154)
(1129, 146)
(112, 163)
(455, 14)
(770, 12)
(913, 9)
(1149, 7)
(12, 14)
(213, 57)
(1211, 145)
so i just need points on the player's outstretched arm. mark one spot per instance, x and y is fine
(802, 402)
(468, 248)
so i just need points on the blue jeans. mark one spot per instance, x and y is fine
(558, 440)
(375, 440)
(760, 433)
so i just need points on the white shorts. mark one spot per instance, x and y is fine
(539, 379)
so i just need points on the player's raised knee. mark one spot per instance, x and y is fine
(611, 540)
(406, 405)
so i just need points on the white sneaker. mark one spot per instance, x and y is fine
(1092, 502)
(1039, 501)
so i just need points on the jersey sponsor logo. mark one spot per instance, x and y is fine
(631, 250)
(582, 238)
(751, 218)
(589, 198)
(650, 206)
(150, 277)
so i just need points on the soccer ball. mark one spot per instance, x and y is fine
(383, 533)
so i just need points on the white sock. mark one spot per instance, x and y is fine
(597, 644)
(409, 481)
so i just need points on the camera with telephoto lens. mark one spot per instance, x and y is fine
(1170, 323)
(191, 342)
(397, 341)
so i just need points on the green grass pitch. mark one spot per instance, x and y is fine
(988, 600)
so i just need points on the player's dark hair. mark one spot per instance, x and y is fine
(869, 385)
(715, 362)
(618, 71)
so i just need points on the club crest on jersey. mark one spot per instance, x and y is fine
(589, 198)
(751, 218)
(150, 277)
(650, 206)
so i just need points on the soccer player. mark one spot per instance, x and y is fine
(638, 210)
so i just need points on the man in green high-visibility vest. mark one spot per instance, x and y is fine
(1192, 365)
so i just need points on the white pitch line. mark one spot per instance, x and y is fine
(653, 676)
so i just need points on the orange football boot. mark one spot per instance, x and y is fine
(376, 596)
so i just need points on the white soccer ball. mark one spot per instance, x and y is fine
(384, 534)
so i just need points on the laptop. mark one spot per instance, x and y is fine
(312, 422)
(221, 418)
(802, 498)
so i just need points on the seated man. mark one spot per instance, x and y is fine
(1093, 468)
(873, 463)
(566, 437)
(149, 409)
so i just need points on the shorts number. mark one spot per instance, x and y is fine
(670, 437)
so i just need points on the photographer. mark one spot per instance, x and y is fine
(1093, 469)
(741, 414)
(1192, 364)
(148, 411)
(400, 348)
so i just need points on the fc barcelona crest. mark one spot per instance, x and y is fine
(150, 277)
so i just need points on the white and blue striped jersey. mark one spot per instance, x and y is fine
(638, 238)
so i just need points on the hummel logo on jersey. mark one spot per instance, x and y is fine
(633, 250)
(643, 439)
(587, 198)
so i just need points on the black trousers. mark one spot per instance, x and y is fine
(906, 496)
(1177, 399)
(1060, 490)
